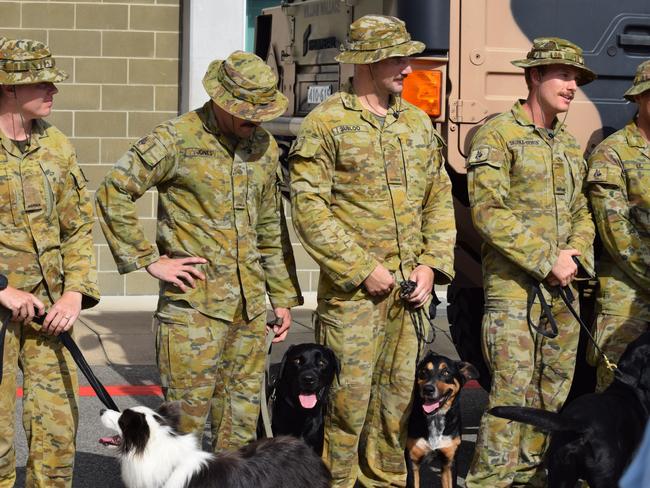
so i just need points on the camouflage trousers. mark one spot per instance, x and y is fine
(612, 333)
(528, 369)
(365, 427)
(50, 407)
(213, 368)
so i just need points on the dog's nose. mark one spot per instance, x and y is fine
(309, 379)
(428, 389)
(101, 412)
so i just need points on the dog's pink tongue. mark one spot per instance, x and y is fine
(308, 401)
(110, 441)
(430, 407)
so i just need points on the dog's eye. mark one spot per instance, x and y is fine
(422, 375)
(297, 361)
(322, 363)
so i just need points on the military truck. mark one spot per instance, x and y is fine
(462, 78)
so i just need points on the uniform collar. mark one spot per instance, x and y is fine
(521, 116)
(634, 137)
(39, 131)
(209, 121)
(351, 101)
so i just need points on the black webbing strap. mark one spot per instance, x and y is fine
(3, 331)
(424, 336)
(264, 403)
(78, 357)
(567, 297)
(546, 312)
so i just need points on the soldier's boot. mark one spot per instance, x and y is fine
(51, 411)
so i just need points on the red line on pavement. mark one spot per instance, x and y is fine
(156, 390)
(116, 390)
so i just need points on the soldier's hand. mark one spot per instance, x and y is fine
(177, 271)
(564, 269)
(23, 305)
(423, 277)
(282, 329)
(380, 281)
(63, 313)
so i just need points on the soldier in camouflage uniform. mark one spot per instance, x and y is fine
(371, 203)
(46, 252)
(618, 183)
(222, 244)
(525, 177)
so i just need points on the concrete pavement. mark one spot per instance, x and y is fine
(119, 331)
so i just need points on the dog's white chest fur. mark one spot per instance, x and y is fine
(436, 427)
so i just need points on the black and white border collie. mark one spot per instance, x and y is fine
(154, 454)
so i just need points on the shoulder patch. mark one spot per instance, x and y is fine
(341, 129)
(604, 176)
(305, 147)
(479, 155)
(150, 149)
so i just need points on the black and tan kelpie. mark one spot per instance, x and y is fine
(435, 422)
(301, 392)
(595, 436)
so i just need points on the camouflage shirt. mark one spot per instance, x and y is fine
(46, 217)
(363, 194)
(619, 185)
(525, 190)
(216, 200)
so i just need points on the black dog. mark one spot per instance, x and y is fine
(595, 436)
(301, 390)
(153, 454)
(434, 424)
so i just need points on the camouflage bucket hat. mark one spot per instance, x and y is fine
(553, 50)
(24, 62)
(376, 37)
(641, 81)
(245, 86)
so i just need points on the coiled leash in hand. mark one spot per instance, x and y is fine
(568, 298)
(78, 357)
(424, 337)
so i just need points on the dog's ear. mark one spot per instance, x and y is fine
(467, 370)
(171, 412)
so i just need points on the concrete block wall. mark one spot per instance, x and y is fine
(123, 60)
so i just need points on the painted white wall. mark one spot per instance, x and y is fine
(212, 29)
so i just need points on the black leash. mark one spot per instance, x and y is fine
(546, 312)
(78, 357)
(264, 401)
(424, 337)
(568, 298)
(3, 331)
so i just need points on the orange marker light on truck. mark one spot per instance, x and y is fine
(423, 88)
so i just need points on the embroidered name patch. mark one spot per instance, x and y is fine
(197, 152)
(348, 128)
(524, 142)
